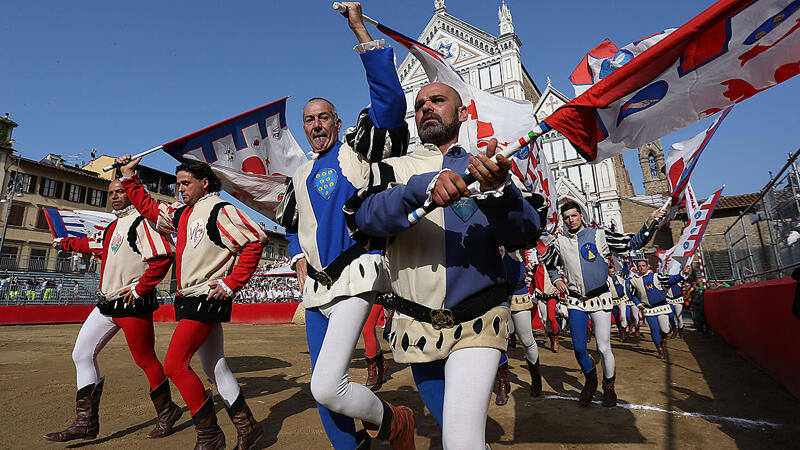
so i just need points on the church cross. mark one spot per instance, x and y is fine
(551, 103)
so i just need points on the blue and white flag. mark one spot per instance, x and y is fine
(76, 223)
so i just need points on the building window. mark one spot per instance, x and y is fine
(16, 215)
(167, 189)
(270, 252)
(490, 76)
(652, 162)
(50, 188)
(41, 220)
(38, 259)
(25, 182)
(74, 193)
(282, 252)
(96, 198)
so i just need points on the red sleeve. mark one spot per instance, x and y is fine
(245, 266)
(157, 268)
(142, 201)
(74, 244)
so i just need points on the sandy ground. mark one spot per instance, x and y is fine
(702, 376)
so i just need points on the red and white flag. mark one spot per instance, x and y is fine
(252, 154)
(491, 116)
(730, 52)
(76, 222)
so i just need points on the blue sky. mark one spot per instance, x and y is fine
(126, 76)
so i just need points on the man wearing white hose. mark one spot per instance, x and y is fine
(451, 309)
(675, 301)
(338, 277)
(583, 253)
(521, 304)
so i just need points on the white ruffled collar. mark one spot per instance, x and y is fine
(124, 211)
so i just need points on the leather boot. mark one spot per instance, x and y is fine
(609, 392)
(87, 420)
(555, 344)
(680, 333)
(167, 412)
(377, 371)
(621, 331)
(662, 350)
(397, 427)
(247, 429)
(536, 378)
(589, 388)
(209, 434)
(503, 387)
(674, 332)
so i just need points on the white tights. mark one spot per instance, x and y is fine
(212, 358)
(95, 333)
(678, 315)
(330, 385)
(469, 379)
(601, 322)
(524, 329)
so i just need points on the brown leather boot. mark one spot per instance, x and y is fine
(167, 412)
(555, 344)
(377, 371)
(209, 434)
(536, 378)
(503, 387)
(87, 420)
(397, 427)
(609, 392)
(674, 332)
(589, 388)
(247, 429)
(662, 350)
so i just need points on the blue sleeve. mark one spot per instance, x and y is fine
(626, 269)
(639, 240)
(632, 292)
(513, 220)
(385, 213)
(388, 101)
(675, 279)
(294, 242)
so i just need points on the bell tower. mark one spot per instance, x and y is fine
(651, 158)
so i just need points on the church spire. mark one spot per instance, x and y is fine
(439, 6)
(506, 25)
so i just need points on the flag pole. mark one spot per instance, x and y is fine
(343, 9)
(144, 153)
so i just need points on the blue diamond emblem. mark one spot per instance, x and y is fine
(464, 208)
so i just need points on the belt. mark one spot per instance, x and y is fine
(546, 297)
(591, 294)
(332, 271)
(470, 308)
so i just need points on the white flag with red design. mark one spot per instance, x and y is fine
(252, 154)
(728, 53)
(691, 235)
(491, 116)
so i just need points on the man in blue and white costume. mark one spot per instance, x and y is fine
(675, 300)
(617, 284)
(648, 293)
(451, 309)
(339, 279)
(583, 253)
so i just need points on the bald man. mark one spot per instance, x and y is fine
(451, 319)
(135, 259)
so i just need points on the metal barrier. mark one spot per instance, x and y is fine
(764, 241)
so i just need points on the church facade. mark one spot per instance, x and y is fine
(493, 64)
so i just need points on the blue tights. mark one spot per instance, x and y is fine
(578, 327)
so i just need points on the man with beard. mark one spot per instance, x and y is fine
(648, 293)
(582, 253)
(339, 279)
(451, 317)
(134, 259)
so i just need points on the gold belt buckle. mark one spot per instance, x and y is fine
(101, 298)
(442, 318)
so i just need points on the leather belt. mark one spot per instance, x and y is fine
(332, 271)
(546, 297)
(591, 294)
(470, 308)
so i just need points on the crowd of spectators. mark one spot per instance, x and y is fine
(270, 289)
(19, 291)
